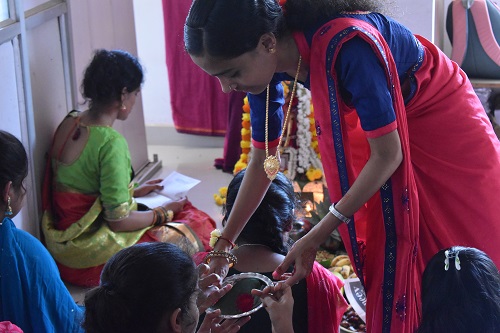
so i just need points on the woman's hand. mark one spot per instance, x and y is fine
(219, 266)
(176, 206)
(278, 302)
(213, 323)
(148, 187)
(209, 285)
(302, 255)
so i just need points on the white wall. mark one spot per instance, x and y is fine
(151, 49)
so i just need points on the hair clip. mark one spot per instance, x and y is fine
(450, 254)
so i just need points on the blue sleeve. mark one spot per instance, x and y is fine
(258, 112)
(364, 84)
(36, 298)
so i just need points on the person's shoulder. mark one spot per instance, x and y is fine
(106, 135)
(26, 243)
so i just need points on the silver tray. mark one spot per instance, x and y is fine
(233, 280)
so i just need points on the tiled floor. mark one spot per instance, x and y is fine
(193, 162)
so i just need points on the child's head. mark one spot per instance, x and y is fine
(460, 292)
(273, 218)
(149, 287)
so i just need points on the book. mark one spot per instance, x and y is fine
(175, 187)
(355, 294)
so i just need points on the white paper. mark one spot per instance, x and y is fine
(175, 187)
(355, 294)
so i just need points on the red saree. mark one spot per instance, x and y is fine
(443, 190)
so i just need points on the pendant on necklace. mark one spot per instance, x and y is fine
(272, 166)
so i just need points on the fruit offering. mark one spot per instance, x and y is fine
(351, 322)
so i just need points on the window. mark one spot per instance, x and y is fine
(4, 10)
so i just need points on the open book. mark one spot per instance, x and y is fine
(175, 187)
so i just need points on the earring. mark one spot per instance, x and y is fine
(123, 107)
(272, 50)
(8, 212)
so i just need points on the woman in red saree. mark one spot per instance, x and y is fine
(89, 208)
(410, 158)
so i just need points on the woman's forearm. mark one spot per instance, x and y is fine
(253, 188)
(385, 158)
(135, 221)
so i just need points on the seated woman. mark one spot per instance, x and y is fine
(89, 207)
(460, 292)
(152, 287)
(261, 247)
(32, 295)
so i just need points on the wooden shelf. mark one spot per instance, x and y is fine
(485, 83)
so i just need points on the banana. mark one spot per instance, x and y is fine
(337, 258)
(345, 271)
(343, 262)
(335, 269)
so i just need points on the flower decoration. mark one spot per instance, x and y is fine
(246, 134)
(214, 237)
(244, 302)
(220, 197)
(313, 174)
(301, 147)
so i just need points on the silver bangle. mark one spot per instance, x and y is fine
(339, 215)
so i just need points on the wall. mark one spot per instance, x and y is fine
(107, 24)
(40, 79)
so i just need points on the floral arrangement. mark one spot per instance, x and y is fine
(308, 159)
(220, 197)
(246, 134)
(303, 155)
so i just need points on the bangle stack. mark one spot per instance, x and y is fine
(162, 215)
(339, 215)
(231, 258)
(215, 235)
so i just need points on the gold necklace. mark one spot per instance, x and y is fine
(272, 163)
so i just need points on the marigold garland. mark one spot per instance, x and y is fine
(246, 135)
(220, 197)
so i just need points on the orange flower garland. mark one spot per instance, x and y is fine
(246, 135)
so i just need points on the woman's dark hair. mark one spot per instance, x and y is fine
(14, 166)
(229, 28)
(274, 216)
(108, 73)
(465, 300)
(139, 285)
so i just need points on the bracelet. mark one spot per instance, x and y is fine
(162, 215)
(339, 215)
(155, 218)
(215, 235)
(231, 258)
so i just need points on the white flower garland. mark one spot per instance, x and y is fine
(306, 155)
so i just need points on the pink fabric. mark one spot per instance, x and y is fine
(444, 192)
(325, 301)
(487, 38)
(482, 22)
(8, 327)
(198, 104)
(459, 32)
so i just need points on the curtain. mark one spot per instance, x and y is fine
(198, 104)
